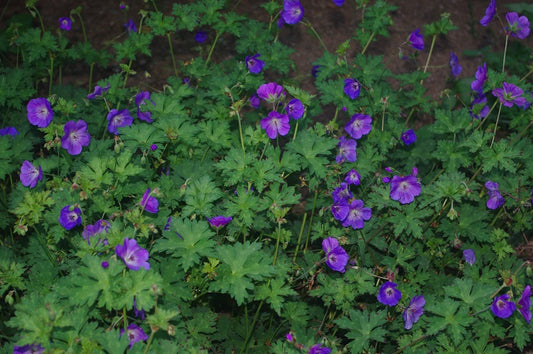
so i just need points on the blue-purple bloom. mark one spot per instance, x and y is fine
(9, 131)
(270, 92)
(200, 37)
(219, 221)
(134, 256)
(97, 228)
(510, 94)
(98, 91)
(470, 256)
(359, 125)
(65, 23)
(292, 12)
(75, 137)
(479, 108)
(454, 65)
(140, 99)
(416, 40)
(340, 209)
(135, 334)
(275, 123)
(255, 102)
(481, 77)
(388, 294)
(342, 192)
(139, 313)
(40, 112)
(352, 88)
(105, 264)
(118, 119)
(30, 175)
(489, 14)
(501, 307)
(336, 256)
(130, 26)
(339, 2)
(524, 304)
(353, 177)
(413, 312)
(149, 203)
(319, 349)
(28, 349)
(357, 215)
(70, 217)
(295, 109)
(346, 150)
(495, 198)
(254, 64)
(518, 26)
(404, 189)
(408, 137)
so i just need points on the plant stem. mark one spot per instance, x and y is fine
(240, 132)
(299, 238)
(172, 54)
(212, 48)
(45, 248)
(505, 52)
(295, 130)
(429, 55)
(311, 221)
(308, 24)
(249, 334)
(51, 78)
(496, 126)
(91, 76)
(277, 244)
(368, 42)
(149, 342)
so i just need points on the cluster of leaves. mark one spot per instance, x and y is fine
(246, 285)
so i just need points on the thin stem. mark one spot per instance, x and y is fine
(249, 334)
(149, 342)
(82, 27)
(505, 52)
(490, 111)
(277, 244)
(522, 132)
(368, 42)
(299, 238)
(172, 54)
(295, 130)
(212, 48)
(311, 221)
(240, 132)
(91, 69)
(429, 55)
(45, 248)
(496, 126)
(315, 33)
(51, 78)
(383, 119)
(127, 74)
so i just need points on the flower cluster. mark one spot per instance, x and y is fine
(389, 295)
(97, 228)
(503, 308)
(495, 198)
(348, 210)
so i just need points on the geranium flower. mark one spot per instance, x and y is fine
(92, 230)
(454, 65)
(413, 312)
(525, 303)
(408, 137)
(40, 112)
(479, 108)
(357, 215)
(342, 192)
(9, 131)
(135, 334)
(295, 109)
(388, 294)
(219, 221)
(470, 256)
(489, 14)
(518, 26)
(270, 92)
(70, 217)
(149, 203)
(481, 77)
(404, 189)
(65, 23)
(501, 307)
(353, 177)
(359, 125)
(319, 349)
(130, 26)
(140, 99)
(416, 39)
(254, 64)
(292, 12)
(200, 37)
(340, 209)
(495, 200)
(30, 175)
(98, 91)
(255, 102)
(75, 137)
(346, 150)
(28, 349)
(118, 119)
(352, 88)
(509, 95)
(139, 313)
(134, 256)
(336, 256)
(339, 2)
(275, 124)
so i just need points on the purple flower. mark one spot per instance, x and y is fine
(315, 70)
(118, 119)
(65, 23)
(200, 37)
(352, 88)
(388, 294)
(132, 255)
(130, 26)
(70, 217)
(413, 312)
(404, 189)
(346, 150)
(525, 303)
(416, 40)
(518, 26)
(153, 147)
(339, 2)
(340, 209)
(353, 177)
(139, 313)
(219, 221)
(341, 193)
(105, 264)
(30, 175)
(40, 112)
(149, 203)
(501, 307)
(140, 99)
(9, 131)
(98, 91)
(135, 334)
(255, 102)
(492, 186)
(336, 256)
(254, 64)
(292, 11)
(270, 92)
(289, 337)
(454, 65)
(75, 137)
(470, 256)
(92, 230)
(495, 200)
(489, 13)
(357, 215)
(295, 109)
(509, 95)
(275, 124)
(359, 125)
(481, 77)
(479, 108)
(28, 349)
(408, 137)
(319, 349)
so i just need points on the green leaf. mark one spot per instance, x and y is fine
(502, 156)
(274, 292)
(477, 295)
(363, 328)
(200, 196)
(451, 317)
(123, 166)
